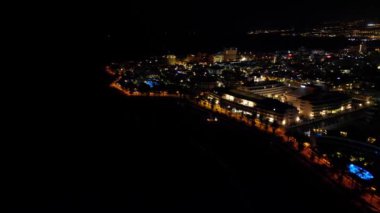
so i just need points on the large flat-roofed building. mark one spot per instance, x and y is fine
(218, 58)
(323, 104)
(270, 89)
(293, 96)
(258, 106)
(172, 59)
(230, 55)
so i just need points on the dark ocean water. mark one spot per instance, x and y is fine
(143, 155)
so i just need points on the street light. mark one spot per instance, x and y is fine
(372, 190)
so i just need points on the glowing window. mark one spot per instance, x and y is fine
(229, 97)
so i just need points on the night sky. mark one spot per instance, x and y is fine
(209, 16)
(142, 26)
(238, 14)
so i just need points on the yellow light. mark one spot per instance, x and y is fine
(284, 122)
(371, 140)
(271, 119)
(297, 119)
(229, 97)
(243, 59)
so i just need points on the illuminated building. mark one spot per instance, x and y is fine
(265, 108)
(172, 59)
(323, 103)
(370, 33)
(293, 97)
(230, 55)
(218, 58)
(270, 89)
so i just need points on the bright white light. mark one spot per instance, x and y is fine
(303, 86)
(378, 67)
(229, 97)
(247, 103)
(271, 119)
(283, 122)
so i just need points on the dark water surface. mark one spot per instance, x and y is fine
(144, 155)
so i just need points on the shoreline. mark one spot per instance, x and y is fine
(302, 158)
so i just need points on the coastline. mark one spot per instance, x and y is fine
(302, 160)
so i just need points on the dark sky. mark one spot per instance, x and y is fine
(140, 25)
(147, 18)
(238, 14)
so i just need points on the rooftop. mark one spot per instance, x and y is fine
(263, 84)
(324, 97)
(262, 102)
(302, 91)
